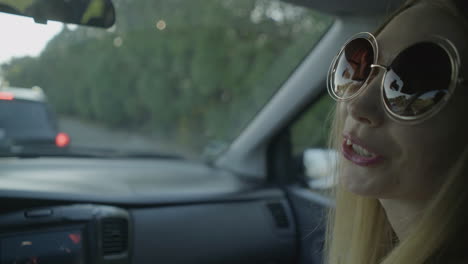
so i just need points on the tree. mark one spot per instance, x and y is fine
(193, 71)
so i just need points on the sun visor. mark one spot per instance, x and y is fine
(350, 7)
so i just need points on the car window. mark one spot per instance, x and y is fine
(311, 130)
(309, 138)
(171, 76)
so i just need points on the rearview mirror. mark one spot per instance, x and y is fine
(97, 13)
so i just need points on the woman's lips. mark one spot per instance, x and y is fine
(359, 154)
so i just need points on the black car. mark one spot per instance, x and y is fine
(26, 120)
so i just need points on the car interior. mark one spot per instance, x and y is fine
(250, 203)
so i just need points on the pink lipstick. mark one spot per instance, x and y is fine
(358, 153)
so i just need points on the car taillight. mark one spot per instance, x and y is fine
(6, 96)
(62, 140)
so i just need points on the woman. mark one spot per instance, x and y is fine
(401, 128)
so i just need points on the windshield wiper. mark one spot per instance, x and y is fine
(114, 153)
(79, 152)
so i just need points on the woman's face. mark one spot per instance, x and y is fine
(414, 158)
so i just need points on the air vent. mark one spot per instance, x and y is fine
(114, 236)
(279, 214)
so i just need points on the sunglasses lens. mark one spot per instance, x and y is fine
(352, 68)
(417, 80)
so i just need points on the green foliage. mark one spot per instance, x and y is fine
(201, 77)
(313, 128)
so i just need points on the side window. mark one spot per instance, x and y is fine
(312, 129)
(309, 137)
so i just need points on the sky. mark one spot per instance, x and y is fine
(21, 36)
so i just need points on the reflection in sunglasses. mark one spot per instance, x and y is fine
(417, 79)
(350, 80)
(412, 105)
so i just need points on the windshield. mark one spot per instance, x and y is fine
(173, 76)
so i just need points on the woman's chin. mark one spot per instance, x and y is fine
(362, 184)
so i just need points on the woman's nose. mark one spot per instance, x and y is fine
(367, 108)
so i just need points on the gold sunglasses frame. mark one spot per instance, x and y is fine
(442, 42)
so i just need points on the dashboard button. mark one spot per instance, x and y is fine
(38, 213)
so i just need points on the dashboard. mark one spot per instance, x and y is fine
(74, 234)
(66, 210)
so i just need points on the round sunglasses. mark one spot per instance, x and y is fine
(415, 86)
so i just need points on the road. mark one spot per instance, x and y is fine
(86, 134)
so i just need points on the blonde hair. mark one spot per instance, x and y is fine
(358, 231)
